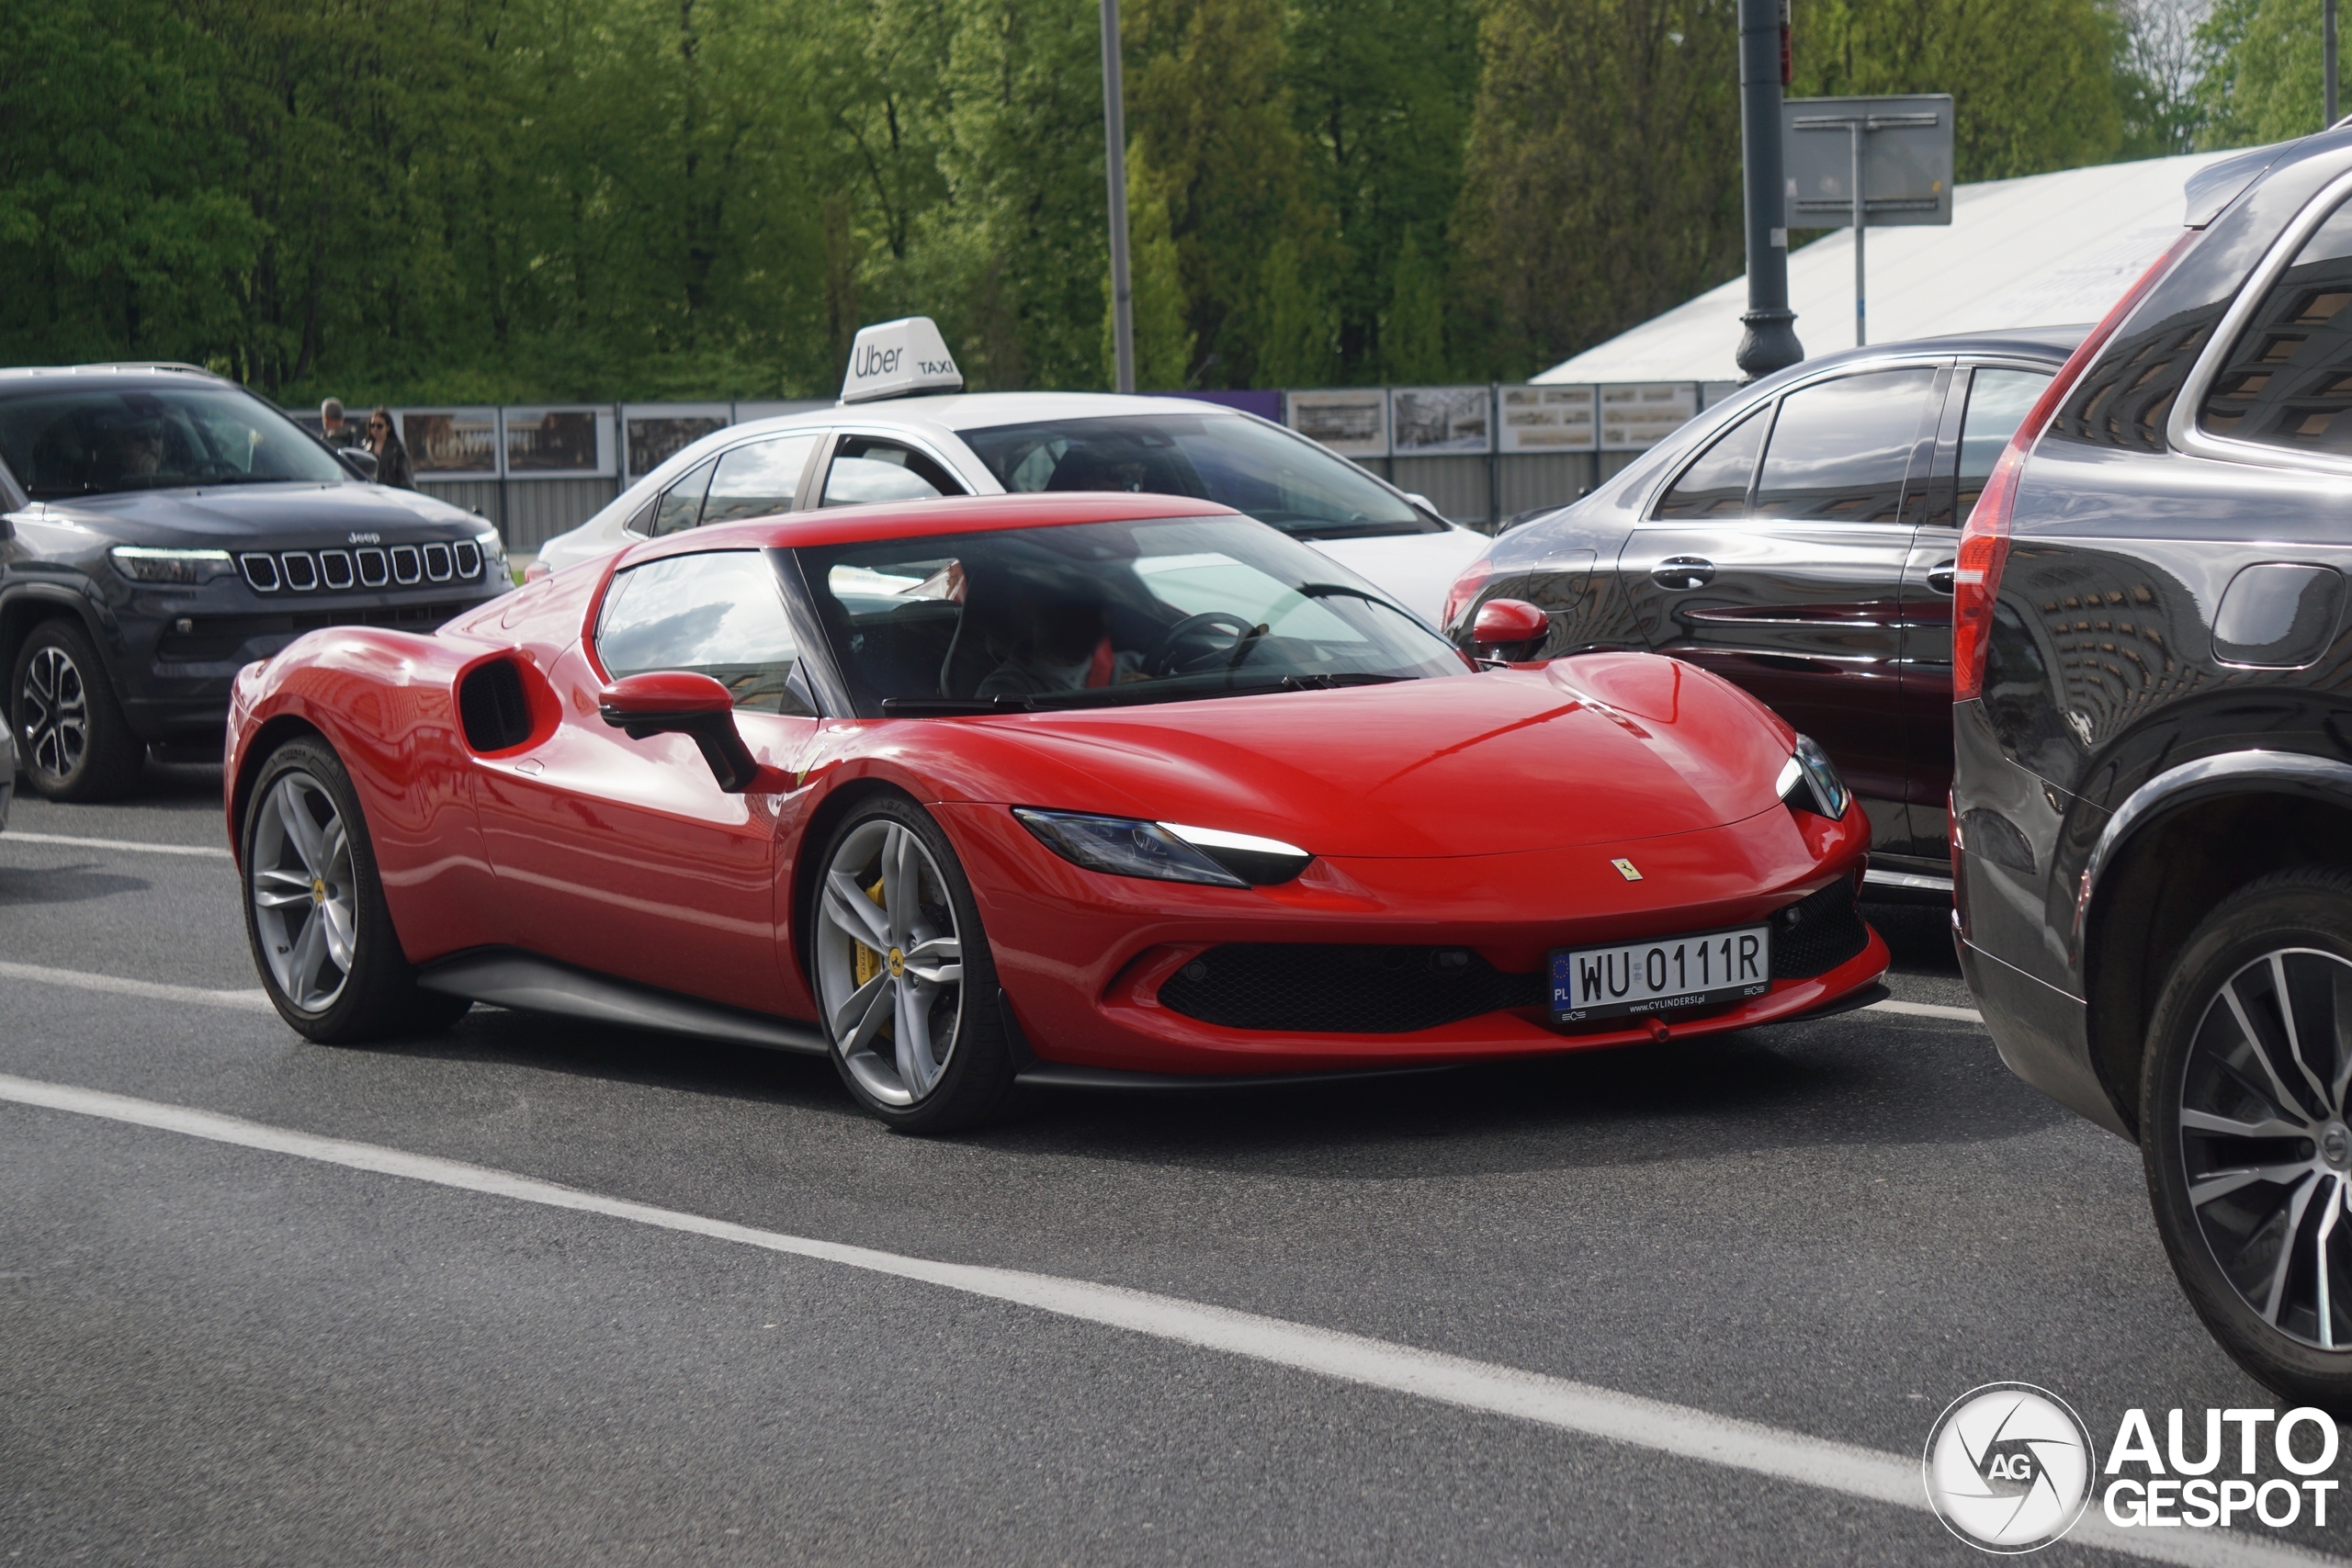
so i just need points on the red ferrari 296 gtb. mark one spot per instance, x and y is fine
(1110, 789)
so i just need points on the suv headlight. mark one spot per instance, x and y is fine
(1809, 782)
(143, 565)
(493, 557)
(1164, 852)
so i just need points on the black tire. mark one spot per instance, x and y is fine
(977, 1070)
(373, 997)
(72, 742)
(2222, 1226)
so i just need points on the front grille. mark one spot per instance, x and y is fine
(404, 566)
(1334, 988)
(1818, 933)
(212, 637)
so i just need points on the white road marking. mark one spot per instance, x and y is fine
(23, 837)
(255, 1000)
(1927, 1010)
(1676, 1430)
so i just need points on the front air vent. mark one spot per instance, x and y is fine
(406, 569)
(468, 557)
(301, 571)
(261, 572)
(437, 562)
(335, 567)
(374, 572)
(492, 705)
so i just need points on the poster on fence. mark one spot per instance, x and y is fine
(1353, 423)
(1637, 415)
(1548, 419)
(651, 434)
(1429, 421)
(450, 444)
(559, 443)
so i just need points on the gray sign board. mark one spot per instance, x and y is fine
(1906, 160)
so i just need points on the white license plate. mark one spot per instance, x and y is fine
(1653, 976)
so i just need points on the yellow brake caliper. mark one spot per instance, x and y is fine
(866, 963)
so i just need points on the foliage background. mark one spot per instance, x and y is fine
(515, 200)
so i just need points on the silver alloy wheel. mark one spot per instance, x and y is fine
(56, 713)
(2264, 1142)
(889, 962)
(305, 904)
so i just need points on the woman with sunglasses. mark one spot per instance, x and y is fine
(392, 457)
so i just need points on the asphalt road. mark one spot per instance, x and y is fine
(212, 1353)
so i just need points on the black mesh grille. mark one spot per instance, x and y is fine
(1317, 988)
(1818, 933)
(437, 562)
(373, 571)
(467, 555)
(490, 702)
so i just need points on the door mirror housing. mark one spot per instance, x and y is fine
(678, 702)
(1513, 628)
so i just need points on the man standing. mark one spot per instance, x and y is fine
(333, 430)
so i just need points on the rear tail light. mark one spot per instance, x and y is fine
(1985, 541)
(1465, 588)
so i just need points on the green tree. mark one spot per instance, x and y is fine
(1301, 343)
(2262, 79)
(1412, 329)
(1156, 300)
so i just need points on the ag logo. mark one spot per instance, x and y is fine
(2009, 1467)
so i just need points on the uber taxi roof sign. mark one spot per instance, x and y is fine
(892, 359)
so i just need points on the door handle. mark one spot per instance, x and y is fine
(1683, 571)
(1940, 576)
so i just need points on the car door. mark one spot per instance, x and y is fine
(624, 856)
(1984, 409)
(1776, 559)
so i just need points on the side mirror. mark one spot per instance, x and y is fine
(1512, 625)
(360, 459)
(678, 702)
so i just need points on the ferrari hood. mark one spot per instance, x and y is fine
(1599, 749)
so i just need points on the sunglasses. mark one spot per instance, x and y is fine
(378, 425)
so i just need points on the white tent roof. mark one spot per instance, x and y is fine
(2044, 251)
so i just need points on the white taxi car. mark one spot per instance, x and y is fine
(906, 430)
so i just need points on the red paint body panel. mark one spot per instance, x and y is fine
(1480, 811)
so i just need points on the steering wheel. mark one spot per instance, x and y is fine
(1161, 662)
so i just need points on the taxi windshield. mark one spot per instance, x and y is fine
(1103, 615)
(1229, 458)
(102, 439)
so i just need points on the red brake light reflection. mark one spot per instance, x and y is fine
(1466, 587)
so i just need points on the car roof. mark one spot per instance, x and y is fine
(151, 373)
(917, 519)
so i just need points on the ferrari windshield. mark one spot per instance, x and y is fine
(101, 440)
(1102, 613)
(1233, 461)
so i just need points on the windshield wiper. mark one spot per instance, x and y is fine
(949, 707)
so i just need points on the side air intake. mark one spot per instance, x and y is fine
(492, 708)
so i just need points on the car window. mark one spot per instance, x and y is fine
(1998, 401)
(720, 614)
(682, 503)
(757, 481)
(2288, 380)
(868, 468)
(1254, 467)
(1716, 484)
(98, 441)
(1840, 450)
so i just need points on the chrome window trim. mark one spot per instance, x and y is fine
(2181, 428)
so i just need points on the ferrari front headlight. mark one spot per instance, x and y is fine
(1809, 782)
(1163, 852)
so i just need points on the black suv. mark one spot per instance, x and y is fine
(161, 528)
(2153, 747)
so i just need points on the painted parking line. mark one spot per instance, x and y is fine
(255, 1000)
(1927, 1010)
(1676, 1430)
(23, 837)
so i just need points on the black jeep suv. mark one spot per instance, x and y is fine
(2153, 737)
(161, 528)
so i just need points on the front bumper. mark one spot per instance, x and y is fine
(1082, 957)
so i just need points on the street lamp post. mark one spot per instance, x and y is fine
(1115, 148)
(1769, 343)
